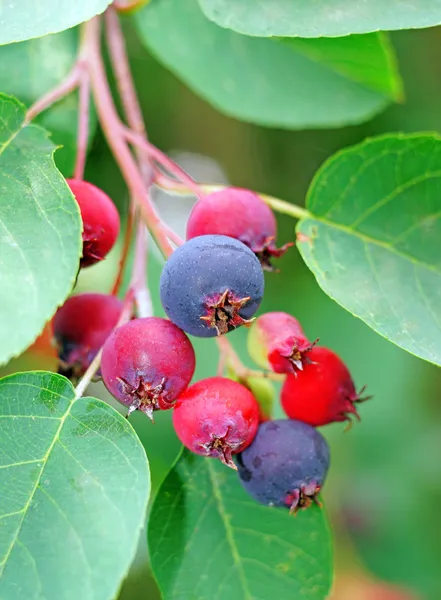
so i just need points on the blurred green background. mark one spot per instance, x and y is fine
(384, 489)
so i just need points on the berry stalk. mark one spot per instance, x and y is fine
(113, 130)
(83, 124)
(230, 358)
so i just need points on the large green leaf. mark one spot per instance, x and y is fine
(22, 20)
(40, 231)
(316, 18)
(286, 83)
(74, 486)
(373, 241)
(29, 69)
(208, 539)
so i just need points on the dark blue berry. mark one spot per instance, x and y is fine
(211, 285)
(286, 464)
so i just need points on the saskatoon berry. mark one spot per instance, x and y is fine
(210, 285)
(100, 221)
(81, 326)
(276, 341)
(147, 363)
(323, 392)
(216, 417)
(286, 464)
(239, 214)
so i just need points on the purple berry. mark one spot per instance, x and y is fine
(286, 464)
(211, 285)
(147, 363)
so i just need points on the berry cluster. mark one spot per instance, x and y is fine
(210, 285)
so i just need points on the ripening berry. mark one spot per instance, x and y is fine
(286, 465)
(323, 392)
(147, 363)
(100, 221)
(211, 285)
(276, 341)
(216, 417)
(240, 214)
(81, 326)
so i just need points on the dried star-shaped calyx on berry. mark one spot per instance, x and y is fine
(268, 250)
(303, 497)
(222, 312)
(277, 342)
(146, 397)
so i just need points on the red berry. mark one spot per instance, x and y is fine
(81, 326)
(323, 392)
(100, 221)
(147, 363)
(276, 341)
(216, 417)
(240, 214)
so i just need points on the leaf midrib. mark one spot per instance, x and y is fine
(37, 483)
(371, 240)
(228, 530)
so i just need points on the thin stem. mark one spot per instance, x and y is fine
(229, 357)
(113, 131)
(95, 364)
(83, 125)
(161, 158)
(139, 276)
(125, 250)
(293, 210)
(68, 85)
(172, 235)
(126, 87)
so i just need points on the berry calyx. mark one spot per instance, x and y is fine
(216, 417)
(210, 285)
(100, 218)
(80, 328)
(286, 464)
(276, 341)
(147, 363)
(323, 392)
(240, 214)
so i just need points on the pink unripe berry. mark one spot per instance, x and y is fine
(276, 341)
(147, 363)
(240, 214)
(100, 221)
(216, 417)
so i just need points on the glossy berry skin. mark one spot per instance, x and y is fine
(147, 363)
(216, 417)
(211, 285)
(240, 214)
(276, 341)
(323, 392)
(286, 465)
(100, 221)
(80, 328)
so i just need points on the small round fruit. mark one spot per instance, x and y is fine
(323, 392)
(286, 465)
(276, 341)
(216, 417)
(211, 285)
(240, 214)
(100, 221)
(81, 326)
(147, 363)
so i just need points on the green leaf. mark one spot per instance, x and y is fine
(25, 20)
(316, 18)
(208, 539)
(30, 69)
(40, 231)
(73, 492)
(373, 239)
(285, 83)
